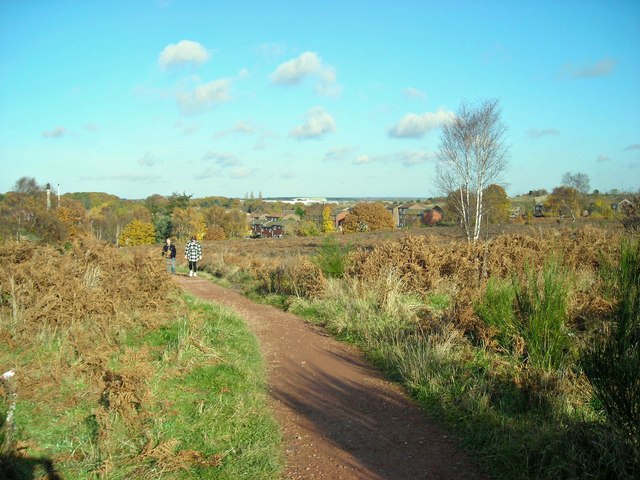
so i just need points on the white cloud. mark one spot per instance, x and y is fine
(204, 96)
(57, 132)
(149, 160)
(187, 128)
(317, 124)
(208, 173)
(261, 144)
(327, 86)
(294, 71)
(537, 133)
(414, 125)
(337, 154)
(125, 177)
(414, 93)
(240, 172)
(271, 50)
(363, 160)
(182, 53)
(367, 159)
(243, 127)
(416, 157)
(308, 64)
(223, 159)
(629, 148)
(602, 68)
(603, 158)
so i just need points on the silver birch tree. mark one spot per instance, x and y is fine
(473, 155)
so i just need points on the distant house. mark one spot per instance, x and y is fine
(431, 216)
(410, 213)
(394, 209)
(267, 229)
(339, 216)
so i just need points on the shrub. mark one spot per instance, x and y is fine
(293, 276)
(496, 310)
(541, 301)
(215, 232)
(331, 258)
(138, 233)
(613, 364)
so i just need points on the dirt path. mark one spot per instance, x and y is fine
(340, 418)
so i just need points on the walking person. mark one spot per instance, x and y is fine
(169, 253)
(193, 253)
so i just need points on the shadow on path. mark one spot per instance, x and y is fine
(340, 418)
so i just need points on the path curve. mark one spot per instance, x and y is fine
(339, 417)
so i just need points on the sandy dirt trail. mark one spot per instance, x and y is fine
(340, 418)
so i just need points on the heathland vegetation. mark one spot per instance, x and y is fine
(525, 342)
(112, 373)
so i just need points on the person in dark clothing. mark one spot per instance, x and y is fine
(169, 253)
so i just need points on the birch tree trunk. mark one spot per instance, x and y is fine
(473, 155)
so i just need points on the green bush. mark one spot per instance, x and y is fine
(330, 257)
(496, 310)
(541, 302)
(613, 364)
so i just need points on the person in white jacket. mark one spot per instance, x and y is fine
(193, 253)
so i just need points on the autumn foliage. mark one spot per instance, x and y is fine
(138, 233)
(368, 217)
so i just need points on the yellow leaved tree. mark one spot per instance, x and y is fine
(138, 233)
(327, 221)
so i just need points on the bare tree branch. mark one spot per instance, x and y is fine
(473, 155)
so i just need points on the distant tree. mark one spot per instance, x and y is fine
(563, 202)
(307, 228)
(300, 211)
(497, 204)
(215, 232)
(188, 222)
(368, 217)
(235, 224)
(215, 215)
(74, 217)
(578, 181)
(327, 220)
(177, 200)
(163, 226)
(601, 209)
(137, 233)
(24, 213)
(473, 155)
(156, 204)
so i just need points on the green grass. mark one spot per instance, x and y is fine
(331, 258)
(542, 307)
(512, 414)
(201, 412)
(612, 363)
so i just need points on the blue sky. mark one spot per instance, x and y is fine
(307, 98)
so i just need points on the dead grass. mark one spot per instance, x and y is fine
(95, 333)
